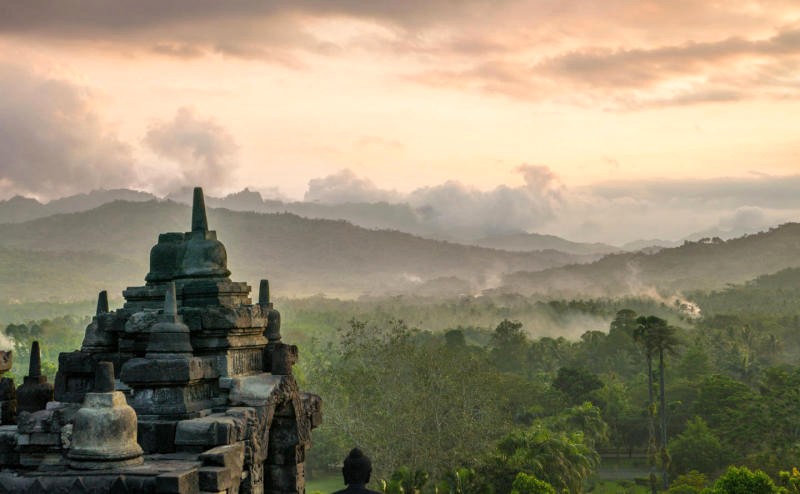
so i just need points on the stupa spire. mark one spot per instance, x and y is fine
(35, 366)
(263, 293)
(102, 302)
(199, 219)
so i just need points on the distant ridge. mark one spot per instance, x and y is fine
(302, 256)
(19, 209)
(521, 242)
(378, 215)
(693, 266)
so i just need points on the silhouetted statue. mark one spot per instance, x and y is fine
(356, 471)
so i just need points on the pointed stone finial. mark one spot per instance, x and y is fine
(104, 378)
(170, 301)
(199, 220)
(263, 293)
(35, 366)
(102, 302)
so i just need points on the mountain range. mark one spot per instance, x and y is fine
(702, 265)
(72, 256)
(379, 215)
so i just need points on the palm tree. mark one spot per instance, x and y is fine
(656, 338)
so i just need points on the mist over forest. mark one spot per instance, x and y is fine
(547, 332)
(522, 247)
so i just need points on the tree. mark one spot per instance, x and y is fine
(576, 384)
(528, 484)
(657, 338)
(697, 448)
(413, 400)
(562, 459)
(743, 481)
(693, 482)
(509, 346)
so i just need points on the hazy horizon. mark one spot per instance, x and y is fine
(606, 122)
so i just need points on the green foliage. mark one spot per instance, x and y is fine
(576, 384)
(790, 481)
(697, 448)
(528, 484)
(692, 482)
(54, 335)
(411, 482)
(560, 458)
(508, 346)
(412, 399)
(462, 481)
(740, 480)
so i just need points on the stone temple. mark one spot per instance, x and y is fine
(187, 388)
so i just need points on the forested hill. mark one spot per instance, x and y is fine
(773, 295)
(693, 266)
(72, 256)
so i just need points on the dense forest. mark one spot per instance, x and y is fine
(507, 393)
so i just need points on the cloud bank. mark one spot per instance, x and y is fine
(53, 142)
(614, 213)
(623, 54)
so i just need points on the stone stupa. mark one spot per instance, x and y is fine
(204, 376)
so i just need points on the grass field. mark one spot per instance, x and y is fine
(325, 484)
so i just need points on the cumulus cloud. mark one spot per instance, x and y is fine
(204, 151)
(614, 213)
(345, 186)
(53, 141)
(453, 207)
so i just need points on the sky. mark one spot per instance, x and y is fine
(603, 121)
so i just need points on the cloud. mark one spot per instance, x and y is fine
(53, 142)
(623, 54)
(746, 218)
(345, 187)
(204, 151)
(623, 211)
(81, 17)
(454, 208)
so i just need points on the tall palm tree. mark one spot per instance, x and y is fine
(657, 338)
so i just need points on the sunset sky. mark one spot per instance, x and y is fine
(678, 113)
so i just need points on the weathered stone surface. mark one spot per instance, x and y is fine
(101, 334)
(312, 404)
(8, 401)
(75, 376)
(229, 456)
(169, 337)
(154, 372)
(282, 358)
(216, 478)
(104, 428)
(185, 482)
(176, 402)
(157, 436)
(210, 431)
(253, 390)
